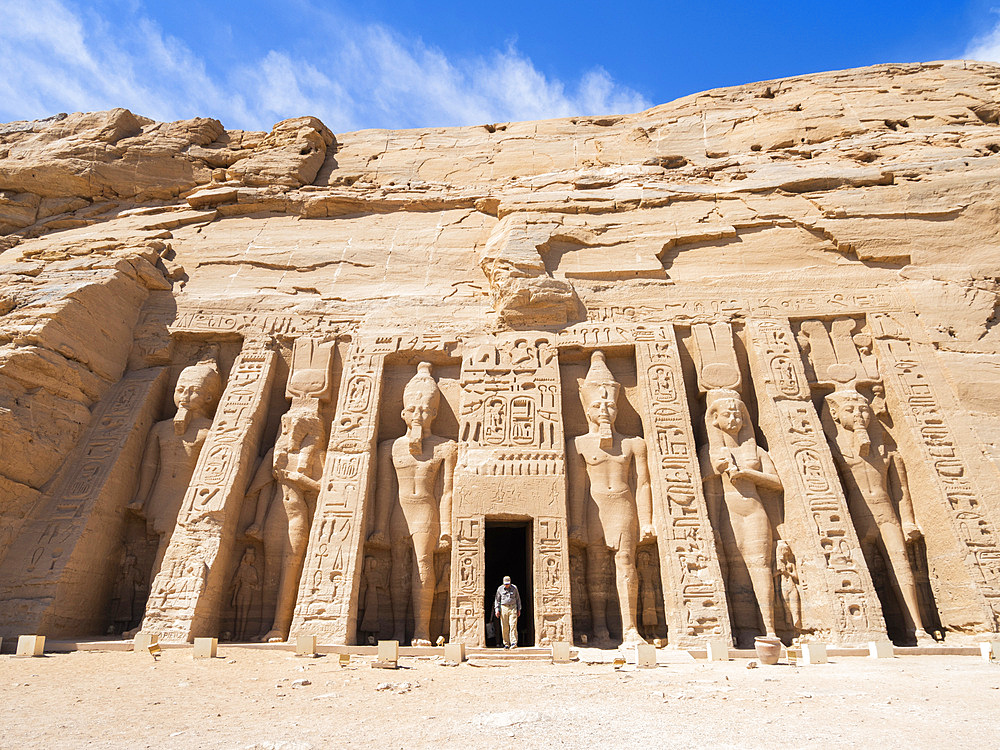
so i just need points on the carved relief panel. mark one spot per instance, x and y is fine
(841, 601)
(511, 469)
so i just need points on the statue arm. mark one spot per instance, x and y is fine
(766, 477)
(909, 521)
(450, 459)
(643, 490)
(148, 471)
(385, 484)
(577, 493)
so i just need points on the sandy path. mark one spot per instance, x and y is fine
(246, 698)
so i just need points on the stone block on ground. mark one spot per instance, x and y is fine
(560, 652)
(30, 645)
(880, 650)
(205, 648)
(454, 652)
(814, 653)
(305, 645)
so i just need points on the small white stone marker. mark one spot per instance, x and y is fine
(30, 645)
(560, 652)
(880, 650)
(142, 642)
(645, 655)
(305, 645)
(205, 648)
(990, 650)
(814, 653)
(454, 652)
(718, 650)
(388, 651)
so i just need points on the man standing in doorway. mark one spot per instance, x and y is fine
(507, 606)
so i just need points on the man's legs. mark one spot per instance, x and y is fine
(508, 620)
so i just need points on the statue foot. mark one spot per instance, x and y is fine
(925, 639)
(632, 638)
(130, 634)
(420, 642)
(601, 639)
(274, 636)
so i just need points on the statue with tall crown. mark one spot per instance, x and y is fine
(872, 474)
(734, 468)
(413, 496)
(605, 513)
(172, 450)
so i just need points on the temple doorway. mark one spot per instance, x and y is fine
(508, 553)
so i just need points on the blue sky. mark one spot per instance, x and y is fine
(407, 64)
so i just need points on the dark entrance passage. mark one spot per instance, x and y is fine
(508, 553)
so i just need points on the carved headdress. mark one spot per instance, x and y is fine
(599, 385)
(422, 389)
(204, 373)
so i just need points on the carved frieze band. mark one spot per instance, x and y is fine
(908, 383)
(799, 448)
(185, 595)
(327, 601)
(695, 601)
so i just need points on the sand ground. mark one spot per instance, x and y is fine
(248, 699)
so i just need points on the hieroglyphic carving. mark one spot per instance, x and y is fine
(800, 451)
(511, 460)
(467, 582)
(93, 486)
(221, 321)
(909, 384)
(186, 595)
(695, 604)
(327, 603)
(552, 580)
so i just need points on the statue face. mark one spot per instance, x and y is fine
(602, 410)
(192, 393)
(728, 416)
(419, 410)
(853, 414)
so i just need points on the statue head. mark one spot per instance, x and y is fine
(852, 412)
(196, 393)
(421, 399)
(249, 555)
(599, 396)
(727, 415)
(850, 409)
(782, 551)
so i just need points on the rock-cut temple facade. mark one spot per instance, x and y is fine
(722, 369)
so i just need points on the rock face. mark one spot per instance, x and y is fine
(724, 368)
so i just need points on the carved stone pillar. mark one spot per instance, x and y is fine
(815, 506)
(693, 590)
(186, 595)
(963, 546)
(327, 604)
(511, 466)
(58, 574)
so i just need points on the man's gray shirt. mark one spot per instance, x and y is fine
(508, 595)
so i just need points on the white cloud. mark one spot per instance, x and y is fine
(986, 47)
(56, 58)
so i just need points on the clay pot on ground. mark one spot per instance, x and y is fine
(768, 649)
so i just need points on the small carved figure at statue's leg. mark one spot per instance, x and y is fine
(596, 559)
(295, 543)
(422, 585)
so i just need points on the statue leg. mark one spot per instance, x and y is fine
(900, 572)
(627, 581)
(399, 589)
(291, 565)
(753, 538)
(596, 557)
(423, 582)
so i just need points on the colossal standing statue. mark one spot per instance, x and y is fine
(413, 504)
(733, 466)
(172, 451)
(601, 464)
(869, 469)
(291, 470)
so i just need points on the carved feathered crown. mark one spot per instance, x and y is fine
(599, 383)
